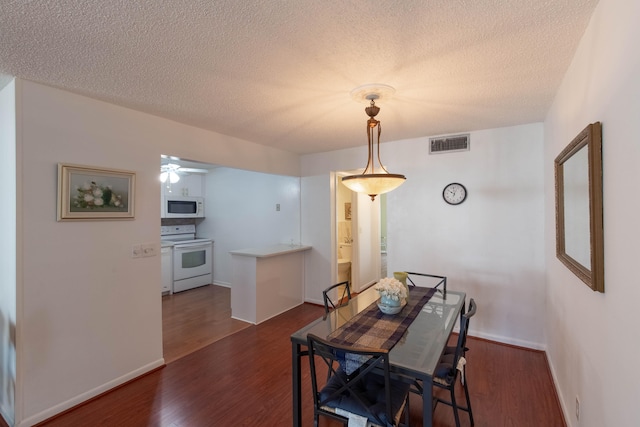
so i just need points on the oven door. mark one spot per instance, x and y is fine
(191, 260)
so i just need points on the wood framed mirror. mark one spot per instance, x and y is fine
(579, 222)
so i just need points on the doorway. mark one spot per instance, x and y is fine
(344, 233)
(357, 232)
(242, 209)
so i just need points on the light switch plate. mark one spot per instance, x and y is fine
(136, 251)
(150, 249)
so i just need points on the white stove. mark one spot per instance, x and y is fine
(180, 234)
(192, 257)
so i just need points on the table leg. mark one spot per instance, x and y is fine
(296, 374)
(427, 403)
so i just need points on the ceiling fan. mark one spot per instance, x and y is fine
(172, 172)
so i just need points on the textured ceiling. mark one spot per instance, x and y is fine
(279, 72)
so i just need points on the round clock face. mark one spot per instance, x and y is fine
(454, 193)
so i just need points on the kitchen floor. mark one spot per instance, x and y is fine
(196, 318)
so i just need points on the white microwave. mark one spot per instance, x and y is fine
(182, 207)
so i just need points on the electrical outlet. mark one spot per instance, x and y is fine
(577, 408)
(136, 251)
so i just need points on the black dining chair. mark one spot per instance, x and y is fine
(370, 392)
(450, 349)
(332, 304)
(414, 280)
(447, 371)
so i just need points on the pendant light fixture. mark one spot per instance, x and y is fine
(370, 181)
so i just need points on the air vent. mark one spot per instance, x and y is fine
(447, 144)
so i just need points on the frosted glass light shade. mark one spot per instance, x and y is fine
(373, 183)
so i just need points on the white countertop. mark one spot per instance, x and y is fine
(269, 251)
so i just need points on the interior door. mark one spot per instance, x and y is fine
(366, 244)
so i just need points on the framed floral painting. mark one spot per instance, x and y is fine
(92, 193)
(347, 210)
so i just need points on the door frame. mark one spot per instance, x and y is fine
(357, 205)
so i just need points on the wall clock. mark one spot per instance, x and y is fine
(454, 193)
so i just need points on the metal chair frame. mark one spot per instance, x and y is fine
(377, 364)
(449, 383)
(443, 280)
(329, 304)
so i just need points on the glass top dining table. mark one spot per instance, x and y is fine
(415, 355)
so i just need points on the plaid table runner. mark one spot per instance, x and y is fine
(372, 328)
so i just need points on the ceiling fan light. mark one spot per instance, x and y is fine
(172, 176)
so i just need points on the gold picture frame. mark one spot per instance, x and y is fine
(88, 193)
(579, 210)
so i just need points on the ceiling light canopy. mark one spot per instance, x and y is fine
(370, 181)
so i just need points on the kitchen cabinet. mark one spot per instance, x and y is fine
(189, 185)
(167, 269)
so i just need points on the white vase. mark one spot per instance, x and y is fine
(390, 306)
(389, 301)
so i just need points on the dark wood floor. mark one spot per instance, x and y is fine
(196, 318)
(244, 379)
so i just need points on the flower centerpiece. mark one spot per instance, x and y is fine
(392, 291)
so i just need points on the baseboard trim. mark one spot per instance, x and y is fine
(223, 284)
(314, 301)
(90, 395)
(563, 405)
(509, 340)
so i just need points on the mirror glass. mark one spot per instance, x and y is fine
(579, 222)
(576, 207)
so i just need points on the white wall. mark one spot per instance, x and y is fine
(491, 246)
(317, 229)
(592, 337)
(90, 311)
(8, 240)
(241, 213)
(90, 314)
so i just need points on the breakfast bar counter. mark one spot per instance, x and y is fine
(269, 251)
(266, 281)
